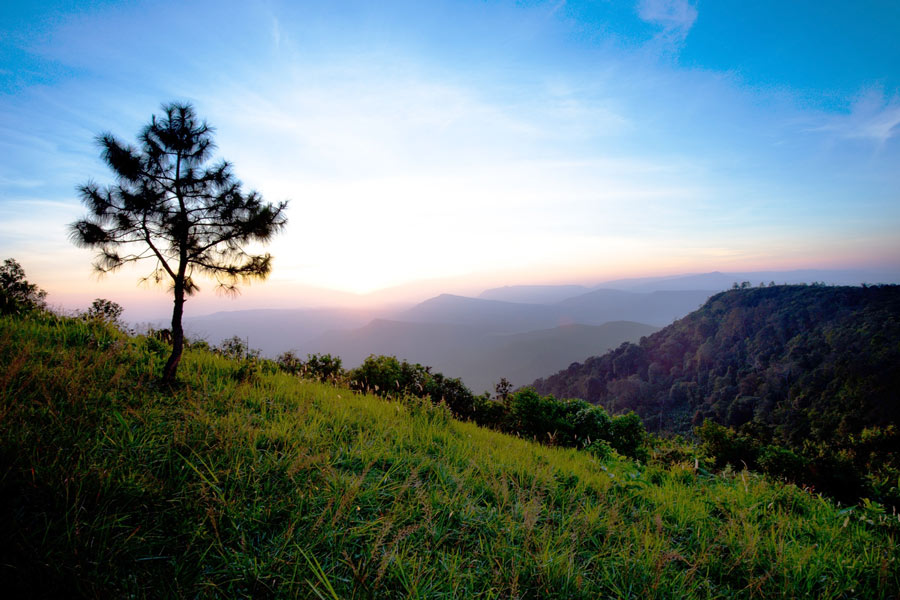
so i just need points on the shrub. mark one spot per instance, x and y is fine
(389, 377)
(104, 310)
(490, 413)
(236, 348)
(628, 436)
(592, 423)
(324, 367)
(781, 462)
(601, 449)
(538, 417)
(726, 446)
(289, 363)
(452, 392)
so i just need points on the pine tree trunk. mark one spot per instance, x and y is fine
(177, 337)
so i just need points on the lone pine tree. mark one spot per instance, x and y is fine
(171, 206)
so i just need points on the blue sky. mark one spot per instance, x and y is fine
(475, 143)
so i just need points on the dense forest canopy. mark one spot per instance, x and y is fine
(809, 361)
(801, 382)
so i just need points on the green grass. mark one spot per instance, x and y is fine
(246, 483)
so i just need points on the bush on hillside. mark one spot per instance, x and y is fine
(388, 377)
(237, 349)
(452, 392)
(575, 423)
(864, 466)
(323, 367)
(106, 311)
(726, 446)
(628, 436)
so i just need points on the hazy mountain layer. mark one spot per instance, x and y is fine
(478, 358)
(510, 309)
(277, 330)
(718, 281)
(714, 281)
(455, 319)
(534, 294)
(591, 308)
(490, 316)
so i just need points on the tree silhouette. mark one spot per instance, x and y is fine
(104, 310)
(170, 206)
(17, 295)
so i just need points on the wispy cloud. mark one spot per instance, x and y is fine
(676, 17)
(873, 117)
(405, 158)
(276, 32)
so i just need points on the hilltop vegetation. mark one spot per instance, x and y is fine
(798, 380)
(245, 480)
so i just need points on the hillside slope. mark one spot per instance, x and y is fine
(245, 482)
(813, 363)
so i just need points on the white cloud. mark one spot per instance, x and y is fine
(676, 17)
(872, 117)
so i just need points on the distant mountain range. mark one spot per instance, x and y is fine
(534, 294)
(474, 339)
(275, 330)
(480, 359)
(591, 308)
(714, 281)
(518, 332)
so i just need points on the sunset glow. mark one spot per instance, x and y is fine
(473, 144)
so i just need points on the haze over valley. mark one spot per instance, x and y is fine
(519, 332)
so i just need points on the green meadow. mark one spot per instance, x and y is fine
(244, 481)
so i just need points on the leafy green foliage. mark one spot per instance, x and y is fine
(861, 467)
(575, 423)
(389, 377)
(278, 487)
(323, 367)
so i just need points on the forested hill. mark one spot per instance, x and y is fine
(804, 363)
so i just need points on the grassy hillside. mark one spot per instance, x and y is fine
(244, 482)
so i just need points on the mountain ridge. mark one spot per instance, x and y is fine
(784, 356)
